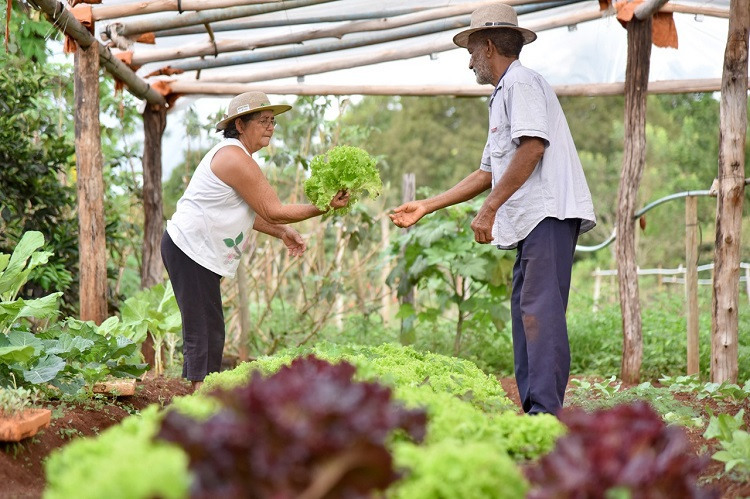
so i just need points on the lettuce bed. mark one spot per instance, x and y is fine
(472, 444)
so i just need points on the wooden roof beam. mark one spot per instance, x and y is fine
(585, 89)
(206, 16)
(102, 12)
(63, 20)
(269, 22)
(223, 46)
(374, 57)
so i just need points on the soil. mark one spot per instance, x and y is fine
(22, 471)
(713, 475)
(21, 463)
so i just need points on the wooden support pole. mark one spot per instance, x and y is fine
(634, 159)
(192, 87)
(691, 283)
(408, 193)
(152, 268)
(731, 192)
(154, 123)
(91, 236)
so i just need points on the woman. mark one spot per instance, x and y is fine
(228, 196)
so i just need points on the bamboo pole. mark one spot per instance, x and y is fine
(91, 237)
(63, 20)
(634, 159)
(361, 40)
(426, 48)
(691, 283)
(337, 31)
(102, 12)
(695, 9)
(168, 21)
(191, 87)
(245, 24)
(733, 126)
(355, 41)
(270, 21)
(648, 8)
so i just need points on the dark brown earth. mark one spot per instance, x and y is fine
(713, 475)
(21, 464)
(22, 472)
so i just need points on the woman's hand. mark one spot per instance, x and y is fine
(294, 242)
(340, 200)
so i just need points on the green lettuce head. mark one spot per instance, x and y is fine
(343, 167)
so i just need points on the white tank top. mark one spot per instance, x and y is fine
(212, 221)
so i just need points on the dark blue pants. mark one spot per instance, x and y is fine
(541, 282)
(198, 294)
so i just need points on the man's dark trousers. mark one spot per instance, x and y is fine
(541, 283)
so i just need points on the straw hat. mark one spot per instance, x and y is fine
(493, 16)
(249, 102)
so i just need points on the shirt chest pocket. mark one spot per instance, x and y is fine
(500, 143)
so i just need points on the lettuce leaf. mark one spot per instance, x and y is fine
(343, 167)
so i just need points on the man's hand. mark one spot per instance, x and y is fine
(482, 226)
(340, 200)
(294, 242)
(408, 214)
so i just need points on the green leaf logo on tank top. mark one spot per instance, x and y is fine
(235, 243)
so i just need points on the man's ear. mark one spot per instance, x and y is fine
(490, 48)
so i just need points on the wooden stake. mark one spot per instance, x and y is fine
(636, 81)
(408, 193)
(691, 283)
(731, 192)
(91, 237)
(154, 123)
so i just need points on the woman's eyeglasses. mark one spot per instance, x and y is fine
(266, 122)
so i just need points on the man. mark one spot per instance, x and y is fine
(539, 202)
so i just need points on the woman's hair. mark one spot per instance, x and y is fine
(231, 132)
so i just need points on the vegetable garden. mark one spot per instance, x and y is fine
(334, 385)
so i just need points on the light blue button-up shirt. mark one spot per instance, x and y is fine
(524, 105)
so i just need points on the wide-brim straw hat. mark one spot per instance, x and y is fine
(249, 102)
(494, 16)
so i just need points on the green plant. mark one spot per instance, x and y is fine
(440, 256)
(16, 400)
(342, 168)
(14, 272)
(152, 311)
(734, 441)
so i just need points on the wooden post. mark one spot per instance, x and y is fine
(152, 268)
(408, 193)
(691, 283)
(747, 284)
(733, 127)
(634, 160)
(154, 123)
(243, 302)
(385, 290)
(91, 237)
(597, 289)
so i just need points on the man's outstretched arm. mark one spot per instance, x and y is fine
(474, 184)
